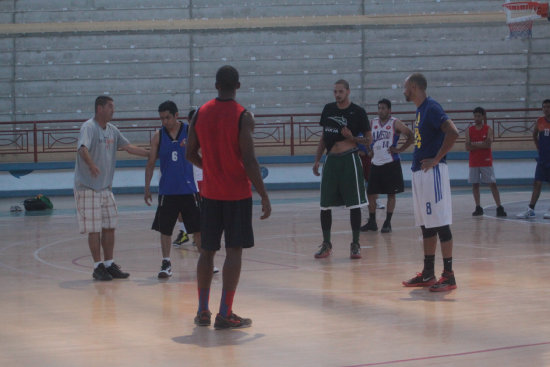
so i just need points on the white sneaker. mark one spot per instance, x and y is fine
(547, 215)
(379, 204)
(216, 270)
(528, 214)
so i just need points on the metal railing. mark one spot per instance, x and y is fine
(281, 134)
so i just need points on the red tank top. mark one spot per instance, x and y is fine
(480, 157)
(217, 128)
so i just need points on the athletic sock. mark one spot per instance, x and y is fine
(108, 263)
(372, 217)
(448, 265)
(226, 303)
(326, 224)
(532, 206)
(429, 264)
(182, 226)
(97, 264)
(204, 296)
(326, 236)
(388, 217)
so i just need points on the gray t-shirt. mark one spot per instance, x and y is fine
(102, 145)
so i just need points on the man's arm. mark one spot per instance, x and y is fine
(150, 167)
(409, 137)
(85, 155)
(451, 134)
(250, 162)
(485, 144)
(318, 155)
(193, 145)
(536, 135)
(135, 150)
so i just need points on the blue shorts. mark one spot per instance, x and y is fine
(542, 173)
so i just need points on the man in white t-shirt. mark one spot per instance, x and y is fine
(96, 209)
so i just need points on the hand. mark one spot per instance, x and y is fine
(316, 169)
(428, 163)
(94, 170)
(266, 208)
(346, 132)
(147, 197)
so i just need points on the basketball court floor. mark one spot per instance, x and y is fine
(306, 312)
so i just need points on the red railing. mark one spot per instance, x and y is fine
(287, 132)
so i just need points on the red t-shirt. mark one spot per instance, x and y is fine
(480, 157)
(217, 127)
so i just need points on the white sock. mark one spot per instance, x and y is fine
(108, 263)
(97, 264)
(182, 227)
(166, 258)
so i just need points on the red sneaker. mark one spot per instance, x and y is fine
(231, 322)
(324, 250)
(445, 283)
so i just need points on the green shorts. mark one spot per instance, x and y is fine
(342, 182)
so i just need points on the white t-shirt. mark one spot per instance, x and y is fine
(102, 144)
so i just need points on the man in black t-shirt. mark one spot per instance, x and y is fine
(342, 183)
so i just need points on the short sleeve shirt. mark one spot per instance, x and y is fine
(334, 119)
(428, 136)
(102, 144)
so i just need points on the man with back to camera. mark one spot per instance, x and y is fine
(176, 187)
(222, 130)
(342, 182)
(479, 138)
(93, 180)
(434, 135)
(386, 176)
(541, 138)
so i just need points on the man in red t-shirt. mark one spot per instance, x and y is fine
(222, 130)
(479, 138)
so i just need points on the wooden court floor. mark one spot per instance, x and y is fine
(306, 312)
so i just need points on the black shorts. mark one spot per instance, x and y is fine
(386, 179)
(233, 218)
(167, 213)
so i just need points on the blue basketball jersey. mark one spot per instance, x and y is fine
(428, 136)
(176, 172)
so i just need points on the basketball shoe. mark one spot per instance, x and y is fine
(528, 214)
(445, 283)
(165, 270)
(324, 250)
(386, 227)
(369, 226)
(420, 280)
(182, 238)
(231, 322)
(355, 251)
(101, 273)
(500, 211)
(478, 211)
(203, 318)
(116, 273)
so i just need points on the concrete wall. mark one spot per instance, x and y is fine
(284, 69)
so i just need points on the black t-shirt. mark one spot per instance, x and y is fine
(333, 119)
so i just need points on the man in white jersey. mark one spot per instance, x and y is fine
(386, 176)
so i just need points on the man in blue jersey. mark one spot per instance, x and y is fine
(434, 136)
(176, 187)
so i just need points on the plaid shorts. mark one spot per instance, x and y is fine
(95, 210)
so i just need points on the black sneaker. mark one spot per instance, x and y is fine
(501, 212)
(370, 226)
(355, 251)
(165, 270)
(101, 273)
(324, 250)
(203, 318)
(116, 273)
(447, 282)
(182, 238)
(478, 211)
(386, 227)
(231, 322)
(420, 280)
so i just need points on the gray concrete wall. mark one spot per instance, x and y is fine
(57, 75)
